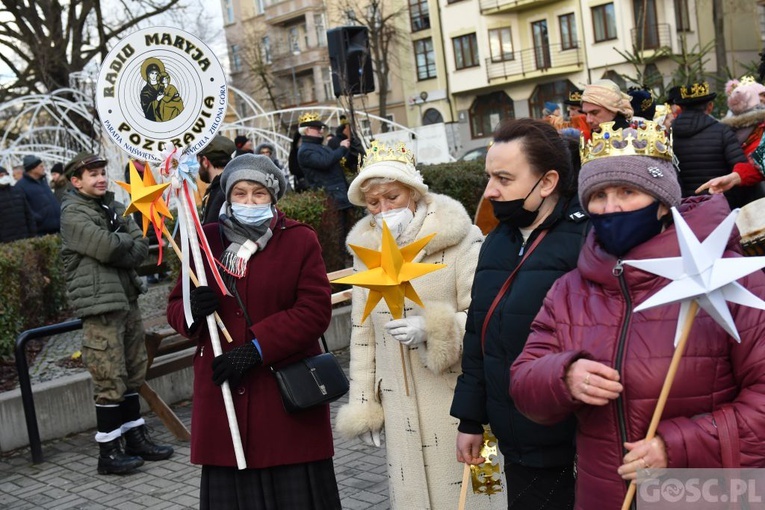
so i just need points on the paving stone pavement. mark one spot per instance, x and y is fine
(67, 479)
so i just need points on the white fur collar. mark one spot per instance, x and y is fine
(443, 215)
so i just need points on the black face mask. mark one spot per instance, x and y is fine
(512, 211)
(619, 232)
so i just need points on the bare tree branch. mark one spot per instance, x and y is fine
(383, 34)
(47, 40)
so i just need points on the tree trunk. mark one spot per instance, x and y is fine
(720, 50)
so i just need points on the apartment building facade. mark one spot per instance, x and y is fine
(472, 63)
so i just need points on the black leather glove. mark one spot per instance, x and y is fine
(231, 366)
(204, 301)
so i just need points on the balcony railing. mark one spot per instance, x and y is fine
(285, 10)
(512, 5)
(538, 59)
(652, 37)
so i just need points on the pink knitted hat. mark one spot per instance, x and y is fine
(743, 97)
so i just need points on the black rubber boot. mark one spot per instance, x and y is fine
(112, 460)
(138, 442)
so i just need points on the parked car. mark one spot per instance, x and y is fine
(479, 153)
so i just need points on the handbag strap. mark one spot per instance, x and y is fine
(506, 286)
(235, 292)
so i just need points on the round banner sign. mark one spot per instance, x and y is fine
(158, 86)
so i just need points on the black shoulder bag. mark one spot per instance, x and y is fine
(310, 382)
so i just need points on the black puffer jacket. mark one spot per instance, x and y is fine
(705, 149)
(18, 222)
(482, 392)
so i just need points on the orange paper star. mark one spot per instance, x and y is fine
(146, 197)
(389, 272)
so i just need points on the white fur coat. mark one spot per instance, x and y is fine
(420, 436)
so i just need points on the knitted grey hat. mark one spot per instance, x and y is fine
(256, 168)
(655, 176)
(31, 162)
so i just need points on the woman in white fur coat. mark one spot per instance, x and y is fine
(419, 433)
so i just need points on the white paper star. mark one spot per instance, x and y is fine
(701, 274)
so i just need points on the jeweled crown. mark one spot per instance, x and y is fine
(747, 80)
(695, 90)
(378, 152)
(647, 139)
(309, 117)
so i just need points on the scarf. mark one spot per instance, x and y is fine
(246, 240)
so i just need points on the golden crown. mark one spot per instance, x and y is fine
(648, 139)
(309, 117)
(646, 103)
(575, 96)
(695, 90)
(747, 80)
(378, 152)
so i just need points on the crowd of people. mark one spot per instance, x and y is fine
(529, 332)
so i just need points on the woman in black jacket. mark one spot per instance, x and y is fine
(530, 176)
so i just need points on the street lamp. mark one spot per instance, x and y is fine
(295, 53)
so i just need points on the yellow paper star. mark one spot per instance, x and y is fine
(389, 272)
(146, 197)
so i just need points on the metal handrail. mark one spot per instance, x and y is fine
(25, 383)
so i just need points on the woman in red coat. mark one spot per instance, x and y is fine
(590, 354)
(273, 266)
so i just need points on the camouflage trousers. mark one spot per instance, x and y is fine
(114, 353)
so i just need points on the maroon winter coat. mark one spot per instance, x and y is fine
(287, 296)
(582, 317)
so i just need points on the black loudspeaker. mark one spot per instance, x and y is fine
(350, 60)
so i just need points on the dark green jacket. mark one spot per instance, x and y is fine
(99, 262)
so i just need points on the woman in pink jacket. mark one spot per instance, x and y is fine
(590, 354)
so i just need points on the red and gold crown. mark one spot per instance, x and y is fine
(378, 152)
(648, 139)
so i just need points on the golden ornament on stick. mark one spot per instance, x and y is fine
(146, 197)
(487, 477)
(388, 274)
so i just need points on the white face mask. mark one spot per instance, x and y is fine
(396, 219)
(5, 180)
(252, 214)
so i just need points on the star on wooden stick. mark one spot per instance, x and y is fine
(146, 197)
(389, 272)
(701, 274)
(700, 278)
